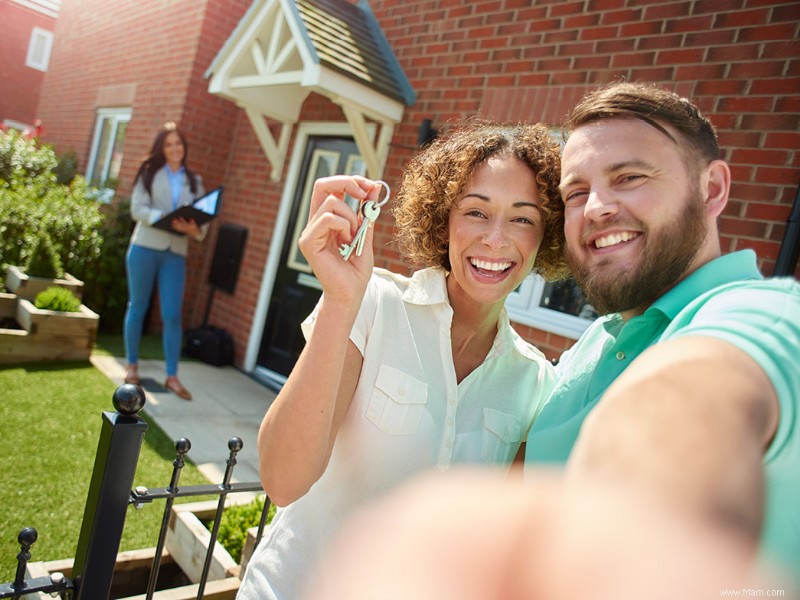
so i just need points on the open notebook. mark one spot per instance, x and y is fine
(202, 210)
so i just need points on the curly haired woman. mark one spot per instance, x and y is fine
(405, 374)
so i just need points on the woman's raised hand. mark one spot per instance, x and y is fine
(331, 223)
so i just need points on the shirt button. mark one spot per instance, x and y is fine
(449, 420)
(449, 443)
(620, 355)
(452, 401)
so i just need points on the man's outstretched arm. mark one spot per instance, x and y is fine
(687, 423)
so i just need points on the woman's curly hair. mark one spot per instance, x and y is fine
(436, 177)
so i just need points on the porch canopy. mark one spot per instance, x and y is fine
(282, 50)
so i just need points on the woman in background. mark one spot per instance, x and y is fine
(162, 184)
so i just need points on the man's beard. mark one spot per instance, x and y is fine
(666, 257)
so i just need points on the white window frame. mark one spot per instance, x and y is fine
(39, 47)
(115, 116)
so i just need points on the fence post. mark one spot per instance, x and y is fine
(107, 501)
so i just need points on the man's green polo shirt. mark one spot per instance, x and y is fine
(728, 299)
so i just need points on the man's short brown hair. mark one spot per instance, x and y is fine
(655, 106)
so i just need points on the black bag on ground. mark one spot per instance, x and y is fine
(212, 345)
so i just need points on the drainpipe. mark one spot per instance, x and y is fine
(790, 246)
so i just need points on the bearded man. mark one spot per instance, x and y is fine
(688, 389)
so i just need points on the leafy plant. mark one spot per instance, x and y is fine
(235, 522)
(21, 157)
(105, 287)
(67, 167)
(44, 261)
(57, 298)
(33, 202)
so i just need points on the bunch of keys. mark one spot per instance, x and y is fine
(370, 211)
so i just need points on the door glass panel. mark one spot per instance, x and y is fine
(323, 164)
(355, 166)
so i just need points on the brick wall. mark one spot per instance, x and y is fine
(20, 85)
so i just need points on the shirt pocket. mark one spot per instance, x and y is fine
(502, 434)
(398, 402)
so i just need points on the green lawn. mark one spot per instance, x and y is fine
(112, 345)
(50, 417)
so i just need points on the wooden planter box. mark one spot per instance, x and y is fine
(8, 305)
(131, 573)
(47, 334)
(25, 286)
(188, 539)
(34, 320)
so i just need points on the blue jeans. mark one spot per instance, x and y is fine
(145, 267)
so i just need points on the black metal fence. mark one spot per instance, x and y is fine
(111, 492)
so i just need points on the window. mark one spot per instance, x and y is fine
(105, 157)
(39, 49)
(560, 307)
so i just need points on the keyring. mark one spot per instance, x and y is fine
(386, 197)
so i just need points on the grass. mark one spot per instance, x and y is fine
(113, 345)
(51, 417)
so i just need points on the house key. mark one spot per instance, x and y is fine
(370, 211)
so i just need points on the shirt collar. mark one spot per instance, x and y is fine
(427, 286)
(169, 170)
(720, 271)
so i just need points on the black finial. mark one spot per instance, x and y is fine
(235, 444)
(182, 446)
(128, 399)
(27, 537)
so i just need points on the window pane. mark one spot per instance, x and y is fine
(566, 297)
(101, 163)
(37, 54)
(116, 156)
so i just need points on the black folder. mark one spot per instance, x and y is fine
(202, 210)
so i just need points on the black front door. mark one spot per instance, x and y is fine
(296, 290)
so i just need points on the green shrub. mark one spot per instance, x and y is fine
(105, 288)
(235, 522)
(67, 167)
(57, 298)
(22, 158)
(34, 203)
(44, 261)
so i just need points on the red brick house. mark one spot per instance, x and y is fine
(273, 93)
(26, 39)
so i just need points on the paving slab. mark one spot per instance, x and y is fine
(225, 403)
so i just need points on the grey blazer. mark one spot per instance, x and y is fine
(146, 209)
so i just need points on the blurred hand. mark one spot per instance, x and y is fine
(475, 535)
